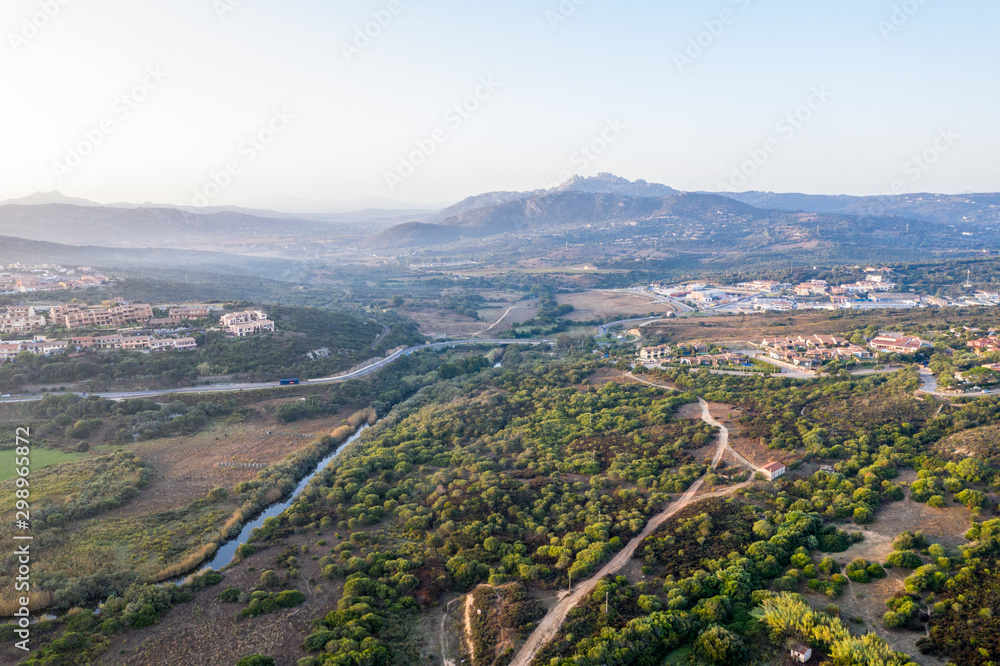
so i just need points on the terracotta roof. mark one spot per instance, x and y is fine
(773, 467)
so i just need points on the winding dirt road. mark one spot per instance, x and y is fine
(550, 624)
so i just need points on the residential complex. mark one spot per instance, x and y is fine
(16, 320)
(77, 315)
(985, 345)
(800, 351)
(178, 315)
(246, 323)
(692, 354)
(46, 347)
(116, 315)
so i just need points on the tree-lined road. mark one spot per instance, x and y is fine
(251, 386)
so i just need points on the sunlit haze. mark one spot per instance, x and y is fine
(441, 100)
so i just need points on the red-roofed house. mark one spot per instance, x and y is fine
(903, 344)
(773, 470)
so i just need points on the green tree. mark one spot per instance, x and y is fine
(718, 645)
(256, 660)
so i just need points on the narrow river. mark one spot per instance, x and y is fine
(227, 551)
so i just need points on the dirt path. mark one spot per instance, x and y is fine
(468, 626)
(707, 418)
(444, 639)
(646, 381)
(553, 620)
(497, 322)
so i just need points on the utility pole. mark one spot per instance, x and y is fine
(570, 571)
(606, 595)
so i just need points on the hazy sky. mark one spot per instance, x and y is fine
(145, 101)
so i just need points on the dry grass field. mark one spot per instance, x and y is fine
(187, 468)
(597, 303)
(173, 522)
(740, 328)
(500, 306)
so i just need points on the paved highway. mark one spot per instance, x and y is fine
(250, 386)
(602, 330)
(680, 306)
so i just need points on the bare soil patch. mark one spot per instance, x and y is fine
(602, 376)
(867, 601)
(598, 303)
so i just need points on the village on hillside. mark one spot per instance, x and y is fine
(125, 326)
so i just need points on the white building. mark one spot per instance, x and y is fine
(773, 470)
(801, 653)
(246, 323)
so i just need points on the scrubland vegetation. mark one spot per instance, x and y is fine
(505, 482)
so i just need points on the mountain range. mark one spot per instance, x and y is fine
(602, 211)
(609, 208)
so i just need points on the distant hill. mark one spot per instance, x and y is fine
(603, 183)
(610, 215)
(377, 216)
(42, 198)
(561, 209)
(13, 250)
(141, 227)
(412, 234)
(957, 209)
(693, 223)
(480, 201)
